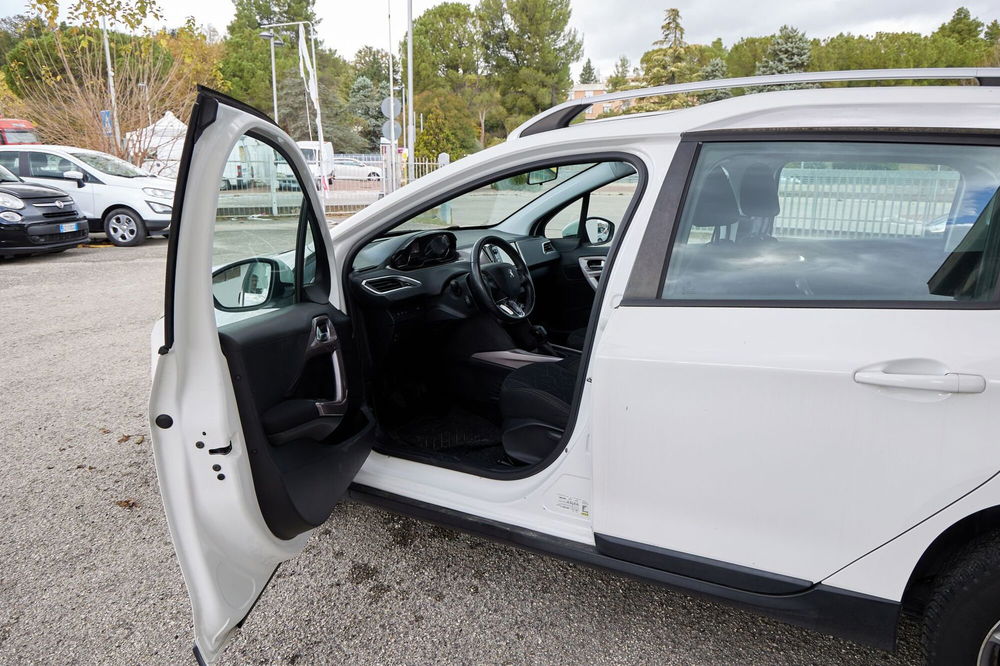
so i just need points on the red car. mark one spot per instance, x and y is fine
(14, 131)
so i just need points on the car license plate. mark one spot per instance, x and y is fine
(65, 228)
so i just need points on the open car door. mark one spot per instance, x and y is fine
(257, 415)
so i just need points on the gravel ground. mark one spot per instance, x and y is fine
(89, 575)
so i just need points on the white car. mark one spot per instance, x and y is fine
(684, 346)
(118, 199)
(349, 168)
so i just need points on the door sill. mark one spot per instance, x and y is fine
(851, 615)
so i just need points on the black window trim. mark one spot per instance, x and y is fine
(650, 268)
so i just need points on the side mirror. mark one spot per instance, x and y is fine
(599, 230)
(74, 175)
(248, 284)
(543, 175)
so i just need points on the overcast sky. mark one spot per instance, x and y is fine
(614, 27)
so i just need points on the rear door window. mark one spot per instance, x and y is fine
(48, 165)
(825, 221)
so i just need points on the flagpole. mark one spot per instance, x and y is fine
(410, 124)
(319, 118)
(392, 102)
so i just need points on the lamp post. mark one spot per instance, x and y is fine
(269, 36)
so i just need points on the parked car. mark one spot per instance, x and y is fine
(349, 168)
(37, 219)
(736, 385)
(14, 131)
(118, 199)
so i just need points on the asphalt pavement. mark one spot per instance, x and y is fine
(89, 575)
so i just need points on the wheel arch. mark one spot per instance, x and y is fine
(108, 209)
(940, 552)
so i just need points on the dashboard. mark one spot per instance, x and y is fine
(424, 272)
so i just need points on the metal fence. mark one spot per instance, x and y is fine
(862, 203)
(259, 187)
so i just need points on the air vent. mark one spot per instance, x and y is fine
(388, 283)
(547, 247)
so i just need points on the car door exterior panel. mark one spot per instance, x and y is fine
(728, 442)
(240, 499)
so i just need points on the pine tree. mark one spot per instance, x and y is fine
(788, 53)
(587, 74)
(715, 69)
(620, 76)
(672, 61)
(992, 32)
(962, 27)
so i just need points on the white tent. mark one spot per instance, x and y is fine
(161, 143)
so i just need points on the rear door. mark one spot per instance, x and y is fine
(803, 365)
(257, 414)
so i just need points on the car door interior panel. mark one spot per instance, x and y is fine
(296, 379)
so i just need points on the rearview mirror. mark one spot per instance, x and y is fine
(245, 285)
(74, 175)
(599, 230)
(543, 175)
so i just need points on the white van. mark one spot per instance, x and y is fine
(116, 197)
(310, 151)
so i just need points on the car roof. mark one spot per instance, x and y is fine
(50, 146)
(915, 107)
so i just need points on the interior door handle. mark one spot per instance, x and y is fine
(952, 382)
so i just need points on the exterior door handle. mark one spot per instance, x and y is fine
(952, 382)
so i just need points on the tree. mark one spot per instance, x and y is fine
(246, 64)
(962, 27)
(528, 48)
(445, 47)
(364, 104)
(789, 52)
(587, 74)
(61, 82)
(672, 61)
(454, 119)
(715, 69)
(620, 75)
(746, 54)
(373, 64)
(436, 138)
(992, 32)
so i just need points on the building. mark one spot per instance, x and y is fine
(583, 90)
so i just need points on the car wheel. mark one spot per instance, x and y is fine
(373, 176)
(962, 620)
(124, 227)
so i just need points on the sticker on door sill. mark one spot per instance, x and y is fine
(574, 505)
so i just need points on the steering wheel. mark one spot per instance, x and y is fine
(501, 288)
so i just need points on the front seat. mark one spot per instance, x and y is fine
(535, 402)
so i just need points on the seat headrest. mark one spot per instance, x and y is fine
(716, 205)
(759, 192)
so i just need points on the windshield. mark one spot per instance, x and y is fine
(110, 165)
(20, 136)
(309, 154)
(490, 204)
(7, 177)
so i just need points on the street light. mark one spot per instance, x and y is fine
(269, 36)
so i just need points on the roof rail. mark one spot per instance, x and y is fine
(563, 114)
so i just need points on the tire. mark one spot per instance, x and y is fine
(962, 619)
(124, 227)
(374, 176)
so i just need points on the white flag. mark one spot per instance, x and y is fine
(306, 71)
